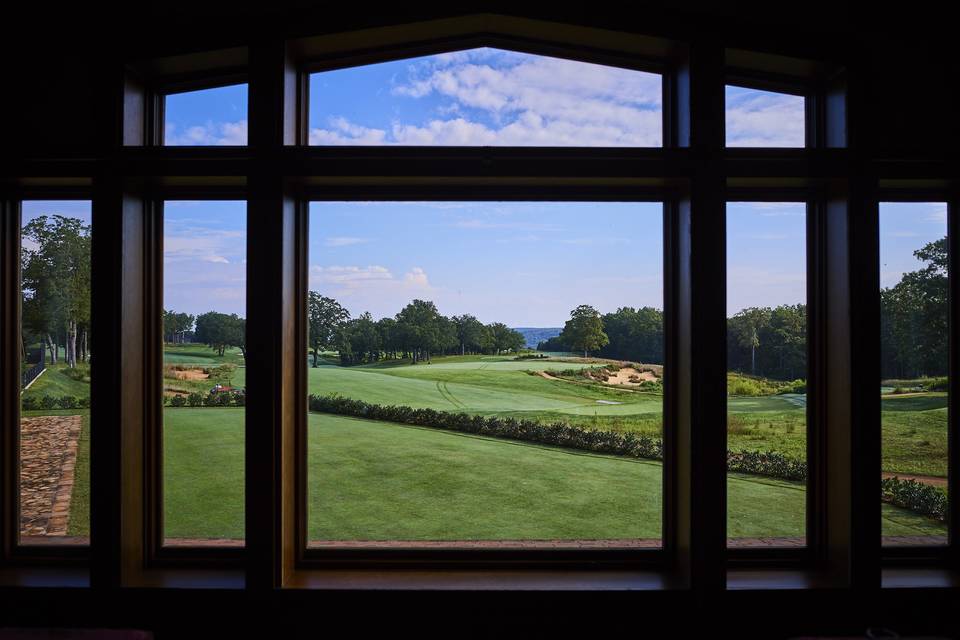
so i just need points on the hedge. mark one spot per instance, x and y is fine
(916, 496)
(222, 399)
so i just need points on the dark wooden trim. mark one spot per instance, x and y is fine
(953, 415)
(9, 375)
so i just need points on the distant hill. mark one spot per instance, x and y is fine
(535, 335)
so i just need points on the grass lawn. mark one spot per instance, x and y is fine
(381, 481)
(55, 381)
(433, 484)
(199, 354)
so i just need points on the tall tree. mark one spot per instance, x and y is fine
(584, 330)
(325, 318)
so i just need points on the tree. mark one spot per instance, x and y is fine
(56, 283)
(325, 318)
(584, 330)
(419, 327)
(219, 331)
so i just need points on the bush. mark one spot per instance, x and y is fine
(935, 384)
(915, 496)
(767, 463)
(48, 402)
(67, 402)
(29, 403)
(240, 398)
(178, 401)
(195, 400)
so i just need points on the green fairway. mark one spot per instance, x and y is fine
(382, 481)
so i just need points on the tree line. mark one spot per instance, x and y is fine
(416, 332)
(219, 331)
(55, 285)
(772, 341)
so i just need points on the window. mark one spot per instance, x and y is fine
(585, 180)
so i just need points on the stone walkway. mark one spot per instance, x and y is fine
(48, 454)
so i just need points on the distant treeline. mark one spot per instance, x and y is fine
(416, 332)
(772, 342)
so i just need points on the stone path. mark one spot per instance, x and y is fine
(48, 454)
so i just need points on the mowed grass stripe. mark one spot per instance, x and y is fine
(372, 480)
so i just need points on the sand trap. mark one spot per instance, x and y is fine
(608, 402)
(190, 374)
(622, 377)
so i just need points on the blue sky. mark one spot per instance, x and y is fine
(484, 97)
(766, 254)
(525, 264)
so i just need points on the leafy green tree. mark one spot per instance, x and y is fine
(325, 317)
(55, 276)
(584, 330)
(220, 331)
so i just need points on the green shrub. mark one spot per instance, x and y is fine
(195, 400)
(178, 401)
(48, 402)
(67, 402)
(240, 398)
(916, 496)
(935, 384)
(29, 403)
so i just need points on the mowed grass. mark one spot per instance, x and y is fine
(371, 480)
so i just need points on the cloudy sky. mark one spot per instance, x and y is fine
(525, 264)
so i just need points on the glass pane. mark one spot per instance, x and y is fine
(913, 388)
(204, 327)
(486, 97)
(55, 358)
(766, 374)
(485, 374)
(207, 117)
(764, 118)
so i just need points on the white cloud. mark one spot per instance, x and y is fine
(208, 134)
(763, 119)
(344, 241)
(528, 100)
(216, 259)
(416, 277)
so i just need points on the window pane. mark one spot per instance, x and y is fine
(767, 371)
(207, 117)
(913, 388)
(486, 97)
(764, 119)
(472, 367)
(55, 373)
(204, 302)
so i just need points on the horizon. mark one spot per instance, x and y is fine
(554, 255)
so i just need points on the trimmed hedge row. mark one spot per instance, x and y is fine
(31, 402)
(558, 433)
(222, 399)
(916, 496)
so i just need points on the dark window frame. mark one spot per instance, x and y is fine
(276, 166)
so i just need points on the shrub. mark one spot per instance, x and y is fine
(935, 384)
(28, 403)
(67, 402)
(48, 402)
(767, 463)
(195, 400)
(240, 398)
(178, 401)
(223, 373)
(916, 496)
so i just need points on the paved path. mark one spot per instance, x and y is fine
(48, 455)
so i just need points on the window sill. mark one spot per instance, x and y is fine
(919, 578)
(45, 577)
(191, 579)
(482, 580)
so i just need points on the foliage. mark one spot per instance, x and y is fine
(220, 330)
(55, 277)
(916, 496)
(176, 326)
(325, 318)
(178, 401)
(913, 318)
(584, 330)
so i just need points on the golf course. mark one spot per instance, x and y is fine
(380, 480)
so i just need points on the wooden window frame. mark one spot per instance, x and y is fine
(279, 173)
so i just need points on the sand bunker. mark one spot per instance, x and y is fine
(624, 375)
(190, 374)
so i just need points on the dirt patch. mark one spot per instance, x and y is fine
(934, 481)
(190, 374)
(630, 377)
(48, 454)
(544, 374)
(173, 393)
